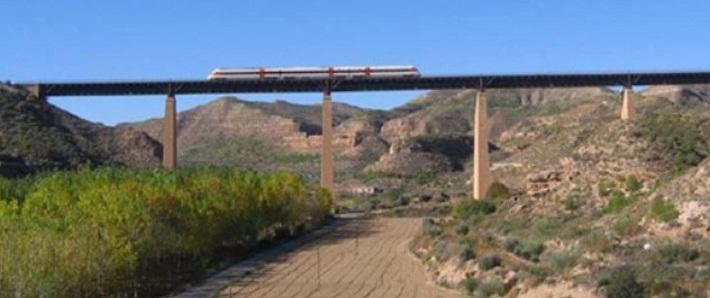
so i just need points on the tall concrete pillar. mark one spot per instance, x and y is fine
(326, 162)
(627, 105)
(481, 162)
(170, 133)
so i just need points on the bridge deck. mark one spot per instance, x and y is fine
(370, 84)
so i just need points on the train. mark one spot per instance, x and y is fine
(330, 72)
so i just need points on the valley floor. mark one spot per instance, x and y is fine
(359, 258)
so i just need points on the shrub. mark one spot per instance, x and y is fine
(403, 201)
(444, 250)
(510, 244)
(102, 232)
(470, 284)
(441, 197)
(489, 262)
(530, 250)
(596, 241)
(625, 225)
(703, 273)
(425, 198)
(498, 191)
(467, 253)
(618, 202)
(462, 229)
(685, 138)
(473, 210)
(563, 260)
(632, 184)
(431, 228)
(622, 283)
(547, 227)
(571, 203)
(677, 253)
(490, 287)
(662, 210)
(605, 187)
(539, 272)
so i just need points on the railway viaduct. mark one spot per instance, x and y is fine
(481, 163)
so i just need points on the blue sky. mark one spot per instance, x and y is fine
(160, 39)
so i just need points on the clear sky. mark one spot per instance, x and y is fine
(159, 39)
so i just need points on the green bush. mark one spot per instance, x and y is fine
(530, 250)
(539, 272)
(109, 232)
(624, 225)
(425, 198)
(441, 197)
(431, 228)
(685, 138)
(462, 229)
(489, 288)
(618, 202)
(563, 260)
(498, 191)
(677, 253)
(632, 184)
(571, 203)
(596, 241)
(510, 244)
(470, 284)
(622, 283)
(662, 210)
(467, 253)
(527, 250)
(473, 210)
(489, 262)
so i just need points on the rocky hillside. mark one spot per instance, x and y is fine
(230, 117)
(682, 95)
(585, 206)
(266, 136)
(35, 135)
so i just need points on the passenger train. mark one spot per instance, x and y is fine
(332, 72)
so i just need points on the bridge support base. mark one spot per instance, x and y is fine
(627, 105)
(37, 92)
(326, 163)
(481, 128)
(170, 133)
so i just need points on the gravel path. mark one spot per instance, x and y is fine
(357, 258)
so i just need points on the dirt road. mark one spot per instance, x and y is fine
(360, 258)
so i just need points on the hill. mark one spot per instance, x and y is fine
(585, 205)
(682, 95)
(267, 136)
(36, 135)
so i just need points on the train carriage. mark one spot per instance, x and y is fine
(337, 72)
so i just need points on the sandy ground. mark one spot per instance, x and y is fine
(361, 258)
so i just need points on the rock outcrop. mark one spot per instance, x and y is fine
(682, 95)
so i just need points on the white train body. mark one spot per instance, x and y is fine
(333, 72)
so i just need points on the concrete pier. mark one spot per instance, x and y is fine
(627, 105)
(326, 163)
(37, 91)
(170, 133)
(481, 162)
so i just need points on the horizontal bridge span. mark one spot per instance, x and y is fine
(369, 84)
